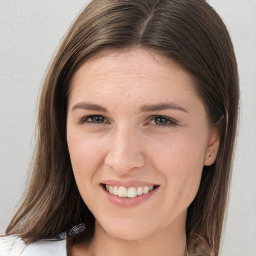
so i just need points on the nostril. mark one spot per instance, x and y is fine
(124, 156)
(124, 164)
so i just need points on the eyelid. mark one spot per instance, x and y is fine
(170, 121)
(173, 122)
(84, 119)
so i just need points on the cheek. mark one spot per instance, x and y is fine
(180, 159)
(85, 155)
(183, 152)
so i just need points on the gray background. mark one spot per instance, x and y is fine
(29, 34)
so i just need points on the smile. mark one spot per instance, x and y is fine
(130, 192)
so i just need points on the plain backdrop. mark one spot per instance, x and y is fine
(29, 34)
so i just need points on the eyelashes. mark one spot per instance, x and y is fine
(157, 120)
(94, 119)
(164, 121)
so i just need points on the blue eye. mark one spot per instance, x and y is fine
(164, 121)
(95, 119)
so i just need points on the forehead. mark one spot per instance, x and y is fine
(125, 70)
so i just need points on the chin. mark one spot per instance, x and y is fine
(128, 235)
(128, 230)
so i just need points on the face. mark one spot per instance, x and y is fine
(138, 137)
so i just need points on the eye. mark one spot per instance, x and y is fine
(164, 121)
(94, 119)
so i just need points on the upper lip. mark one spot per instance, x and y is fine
(127, 184)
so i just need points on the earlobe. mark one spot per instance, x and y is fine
(213, 147)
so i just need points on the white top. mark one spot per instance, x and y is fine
(14, 246)
(57, 246)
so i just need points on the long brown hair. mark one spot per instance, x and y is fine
(190, 33)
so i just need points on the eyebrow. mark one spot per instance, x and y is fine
(163, 106)
(144, 108)
(89, 106)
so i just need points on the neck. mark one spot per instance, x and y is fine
(169, 241)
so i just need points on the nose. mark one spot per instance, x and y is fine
(126, 151)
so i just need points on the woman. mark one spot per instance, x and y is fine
(137, 121)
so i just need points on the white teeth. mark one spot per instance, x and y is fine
(145, 190)
(139, 191)
(131, 192)
(115, 190)
(111, 190)
(122, 192)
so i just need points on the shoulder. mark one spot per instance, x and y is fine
(11, 246)
(46, 248)
(14, 246)
(57, 246)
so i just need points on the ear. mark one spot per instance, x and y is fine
(213, 147)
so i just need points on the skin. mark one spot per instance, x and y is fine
(127, 143)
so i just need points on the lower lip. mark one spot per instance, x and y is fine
(128, 202)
